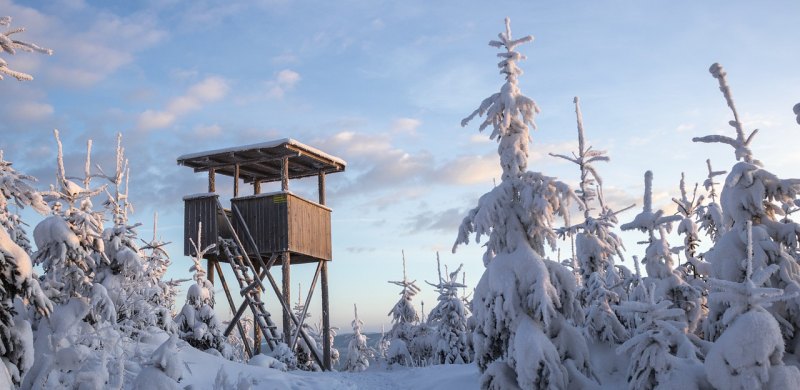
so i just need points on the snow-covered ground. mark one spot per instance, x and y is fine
(202, 370)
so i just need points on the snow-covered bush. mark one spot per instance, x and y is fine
(661, 350)
(197, 320)
(359, 353)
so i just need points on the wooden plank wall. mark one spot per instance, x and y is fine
(265, 216)
(309, 228)
(200, 209)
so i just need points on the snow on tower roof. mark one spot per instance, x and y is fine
(262, 161)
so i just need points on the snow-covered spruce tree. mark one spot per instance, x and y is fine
(83, 325)
(70, 243)
(160, 293)
(517, 308)
(18, 283)
(749, 352)
(660, 267)
(125, 276)
(404, 316)
(595, 247)
(382, 345)
(305, 359)
(662, 355)
(197, 321)
(359, 353)
(449, 318)
(753, 194)
(317, 333)
(10, 45)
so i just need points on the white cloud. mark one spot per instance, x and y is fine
(284, 81)
(30, 111)
(209, 90)
(208, 131)
(285, 58)
(405, 126)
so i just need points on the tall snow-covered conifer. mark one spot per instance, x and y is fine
(17, 280)
(596, 245)
(517, 308)
(753, 194)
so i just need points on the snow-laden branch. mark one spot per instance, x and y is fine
(10, 46)
(740, 144)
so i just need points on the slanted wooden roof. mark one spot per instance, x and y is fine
(262, 161)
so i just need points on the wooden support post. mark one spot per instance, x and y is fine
(235, 321)
(236, 180)
(326, 320)
(256, 187)
(321, 187)
(285, 174)
(287, 319)
(212, 187)
(210, 270)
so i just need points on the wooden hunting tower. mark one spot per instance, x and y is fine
(261, 230)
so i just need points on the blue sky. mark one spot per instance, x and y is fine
(384, 85)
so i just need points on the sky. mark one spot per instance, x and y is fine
(384, 85)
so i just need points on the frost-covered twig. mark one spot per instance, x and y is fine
(10, 46)
(584, 159)
(741, 144)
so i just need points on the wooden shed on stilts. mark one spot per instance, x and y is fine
(260, 231)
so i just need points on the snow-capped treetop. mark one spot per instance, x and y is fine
(117, 203)
(584, 159)
(741, 145)
(709, 182)
(68, 189)
(797, 112)
(508, 111)
(450, 284)
(648, 221)
(10, 46)
(410, 288)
